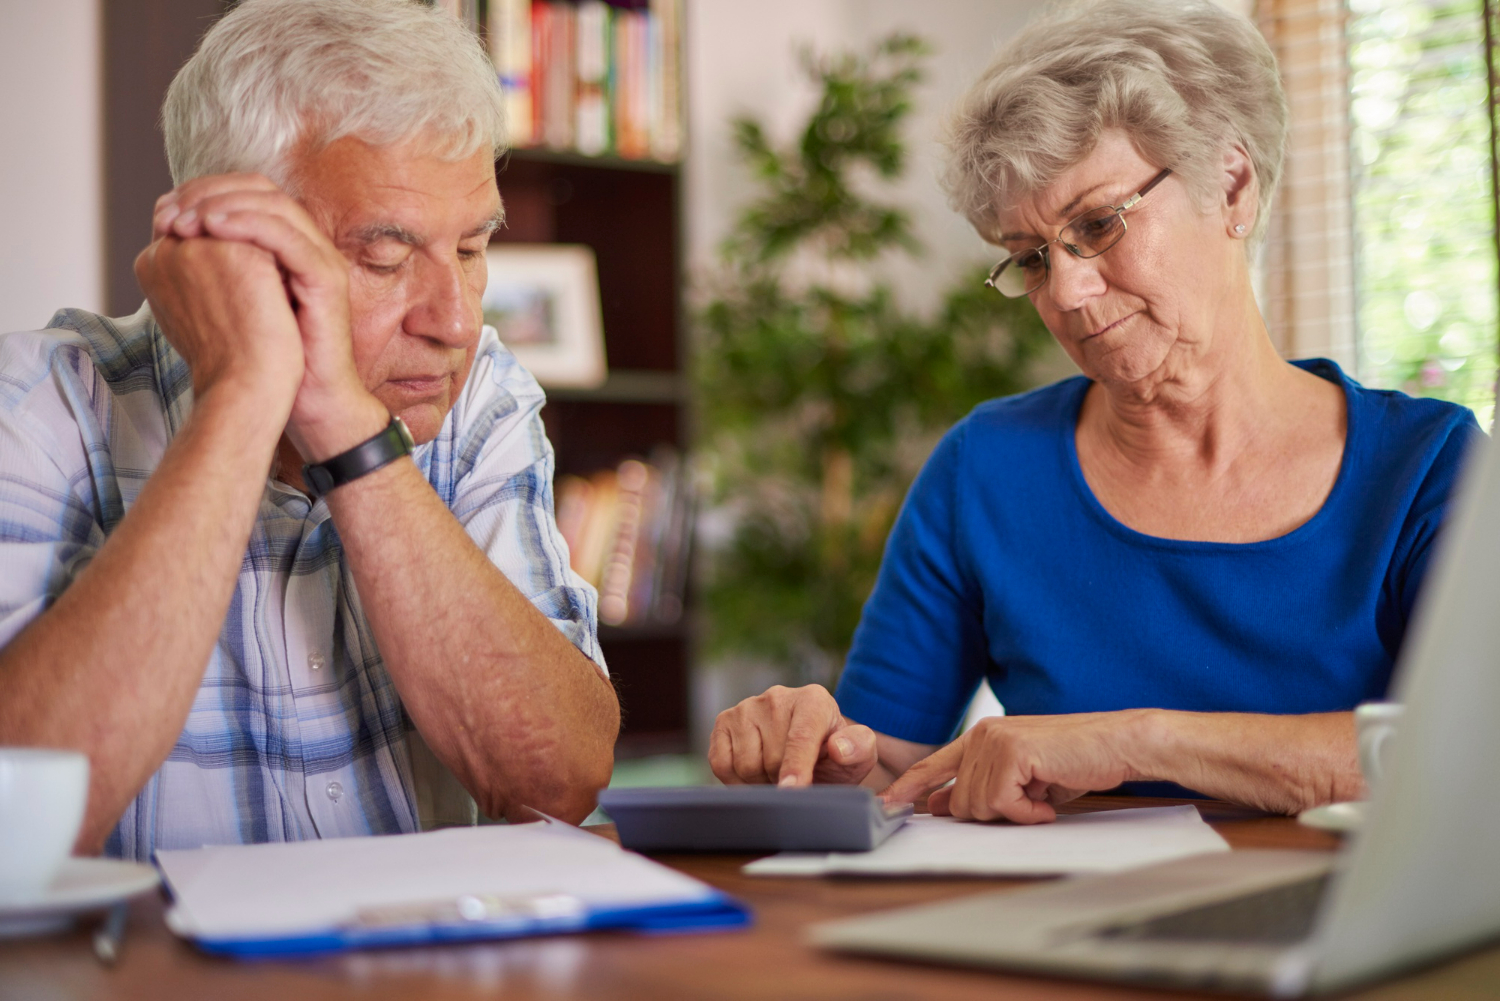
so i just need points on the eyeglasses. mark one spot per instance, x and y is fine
(1088, 235)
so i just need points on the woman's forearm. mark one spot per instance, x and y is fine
(1280, 763)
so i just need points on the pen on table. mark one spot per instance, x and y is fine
(109, 934)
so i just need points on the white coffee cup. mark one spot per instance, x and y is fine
(1375, 724)
(42, 796)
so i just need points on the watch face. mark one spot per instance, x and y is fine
(405, 433)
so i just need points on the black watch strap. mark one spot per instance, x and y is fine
(366, 457)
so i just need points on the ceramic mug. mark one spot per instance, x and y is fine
(42, 796)
(1375, 724)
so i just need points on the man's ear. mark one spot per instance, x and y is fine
(1241, 191)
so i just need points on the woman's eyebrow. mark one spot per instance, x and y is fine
(1065, 213)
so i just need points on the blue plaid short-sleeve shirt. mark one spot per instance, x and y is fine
(297, 730)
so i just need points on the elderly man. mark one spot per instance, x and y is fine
(319, 652)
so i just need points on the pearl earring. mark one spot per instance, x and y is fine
(1240, 228)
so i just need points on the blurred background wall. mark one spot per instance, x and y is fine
(742, 58)
(51, 160)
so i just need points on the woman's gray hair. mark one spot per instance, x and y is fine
(272, 75)
(1184, 79)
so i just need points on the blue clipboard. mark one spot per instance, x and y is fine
(454, 885)
(720, 912)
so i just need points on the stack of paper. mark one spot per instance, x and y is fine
(1106, 841)
(462, 883)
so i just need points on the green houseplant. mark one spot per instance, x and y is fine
(819, 397)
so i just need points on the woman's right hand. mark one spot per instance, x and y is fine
(792, 737)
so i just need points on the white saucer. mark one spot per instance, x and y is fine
(1342, 817)
(81, 885)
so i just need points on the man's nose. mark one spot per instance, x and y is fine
(1073, 280)
(441, 310)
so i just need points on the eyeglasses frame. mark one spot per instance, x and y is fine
(1119, 210)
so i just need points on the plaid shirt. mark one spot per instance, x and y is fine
(297, 730)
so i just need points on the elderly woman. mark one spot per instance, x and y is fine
(1190, 563)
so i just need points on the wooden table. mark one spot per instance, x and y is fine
(767, 961)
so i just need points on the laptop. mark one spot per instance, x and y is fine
(1420, 881)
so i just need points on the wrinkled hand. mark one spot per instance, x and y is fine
(251, 210)
(790, 736)
(223, 307)
(1019, 768)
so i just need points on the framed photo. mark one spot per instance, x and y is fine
(543, 299)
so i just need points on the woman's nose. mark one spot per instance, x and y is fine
(1072, 281)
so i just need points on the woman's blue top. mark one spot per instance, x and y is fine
(1003, 565)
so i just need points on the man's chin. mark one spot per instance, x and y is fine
(423, 420)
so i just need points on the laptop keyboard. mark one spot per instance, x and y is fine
(1282, 914)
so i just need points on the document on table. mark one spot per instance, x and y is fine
(449, 885)
(1104, 841)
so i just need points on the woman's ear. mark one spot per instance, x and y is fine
(1241, 192)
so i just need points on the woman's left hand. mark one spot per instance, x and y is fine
(1019, 768)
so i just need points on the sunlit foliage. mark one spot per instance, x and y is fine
(819, 396)
(1423, 210)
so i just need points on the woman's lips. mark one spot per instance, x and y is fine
(1106, 329)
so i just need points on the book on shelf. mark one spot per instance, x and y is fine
(552, 77)
(586, 76)
(628, 531)
(664, 79)
(592, 64)
(628, 84)
(466, 11)
(508, 31)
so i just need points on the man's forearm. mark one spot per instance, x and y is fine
(112, 667)
(1280, 763)
(500, 695)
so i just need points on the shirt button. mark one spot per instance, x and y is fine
(316, 660)
(335, 791)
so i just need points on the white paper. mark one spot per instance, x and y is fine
(1104, 841)
(288, 889)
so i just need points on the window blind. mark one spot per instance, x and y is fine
(1307, 263)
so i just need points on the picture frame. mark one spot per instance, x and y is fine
(543, 300)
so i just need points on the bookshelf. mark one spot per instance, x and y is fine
(628, 212)
(593, 164)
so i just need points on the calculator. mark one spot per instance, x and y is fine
(751, 818)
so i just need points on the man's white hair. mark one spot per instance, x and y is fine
(1184, 79)
(274, 75)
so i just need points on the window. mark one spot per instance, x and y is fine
(1381, 252)
(1424, 210)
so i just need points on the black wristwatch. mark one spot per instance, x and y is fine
(366, 457)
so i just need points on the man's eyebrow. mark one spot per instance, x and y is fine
(491, 224)
(375, 232)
